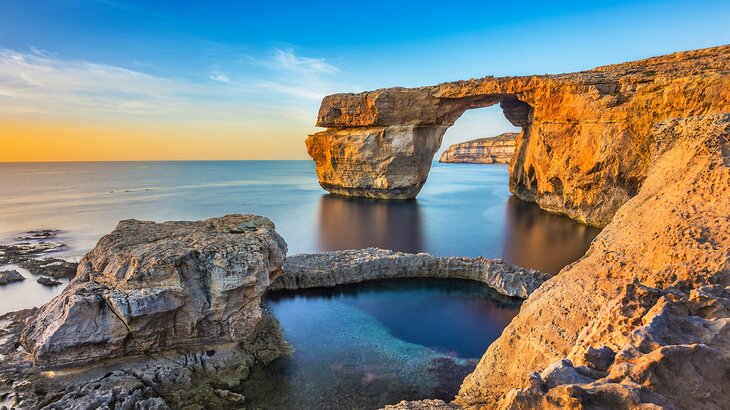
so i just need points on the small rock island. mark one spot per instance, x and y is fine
(490, 150)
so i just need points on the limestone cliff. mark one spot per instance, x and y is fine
(644, 316)
(643, 320)
(586, 139)
(492, 150)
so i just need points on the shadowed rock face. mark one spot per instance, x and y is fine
(492, 150)
(586, 139)
(152, 287)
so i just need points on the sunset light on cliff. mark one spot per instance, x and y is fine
(354, 205)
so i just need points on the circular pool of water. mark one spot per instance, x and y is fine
(363, 346)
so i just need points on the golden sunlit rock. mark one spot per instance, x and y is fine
(586, 138)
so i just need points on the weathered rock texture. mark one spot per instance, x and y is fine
(209, 377)
(586, 142)
(151, 287)
(328, 269)
(644, 317)
(492, 150)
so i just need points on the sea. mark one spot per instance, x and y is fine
(360, 346)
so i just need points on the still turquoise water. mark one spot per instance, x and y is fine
(364, 346)
(358, 346)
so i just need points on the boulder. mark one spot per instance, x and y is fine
(153, 287)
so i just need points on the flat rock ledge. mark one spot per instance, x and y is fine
(328, 269)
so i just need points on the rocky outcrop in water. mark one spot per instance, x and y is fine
(328, 269)
(492, 150)
(10, 276)
(644, 317)
(46, 281)
(586, 142)
(151, 287)
(32, 253)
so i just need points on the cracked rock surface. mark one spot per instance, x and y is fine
(328, 269)
(151, 287)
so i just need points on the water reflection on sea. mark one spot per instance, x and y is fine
(463, 210)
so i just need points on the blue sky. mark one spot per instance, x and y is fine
(265, 65)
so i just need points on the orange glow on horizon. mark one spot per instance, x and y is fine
(26, 141)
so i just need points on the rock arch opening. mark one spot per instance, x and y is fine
(381, 145)
(479, 136)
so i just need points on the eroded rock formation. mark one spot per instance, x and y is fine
(586, 142)
(644, 317)
(207, 377)
(328, 269)
(491, 150)
(151, 287)
(159, 315)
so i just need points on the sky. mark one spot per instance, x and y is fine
(101, 80)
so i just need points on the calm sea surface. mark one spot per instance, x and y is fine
(462, 210)
(357, 346)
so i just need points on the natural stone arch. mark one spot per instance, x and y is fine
(585, 147)
(390, 157)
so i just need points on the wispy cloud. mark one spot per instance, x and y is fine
(40, 82)
(218, 76)
(298, 76)
(289, 61)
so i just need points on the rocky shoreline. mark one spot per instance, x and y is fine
(31, 250)
(190, 378)
(328, 269)
(168, 315)
(157, 315)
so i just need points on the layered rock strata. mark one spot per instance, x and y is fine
(644, 317)
(492, 150)
(328, 269)
(208, 377)
(586, 141)
(153, 287)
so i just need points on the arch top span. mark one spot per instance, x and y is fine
(585, 144)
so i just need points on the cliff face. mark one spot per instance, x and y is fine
(644, 316)
(586, 137)
(492, 150)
